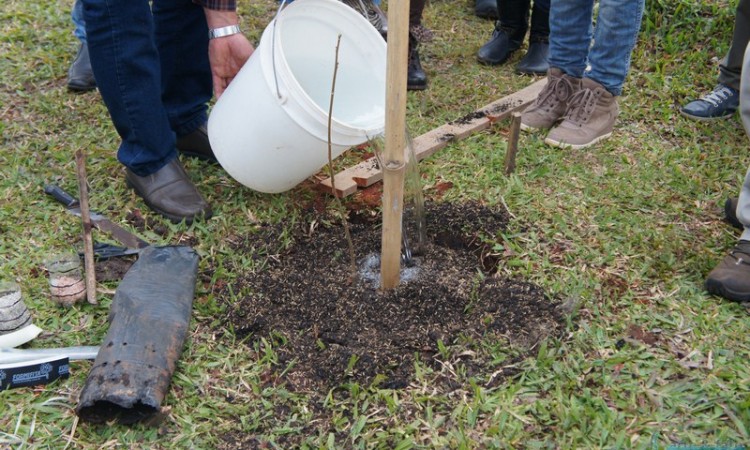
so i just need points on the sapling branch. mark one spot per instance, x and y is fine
(332, 173)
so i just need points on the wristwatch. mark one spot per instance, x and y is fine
(223, 31)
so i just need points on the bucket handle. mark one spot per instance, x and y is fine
(282, 3)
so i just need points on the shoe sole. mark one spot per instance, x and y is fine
(172, 218)
(530, 72)
(706, 119)
(716, 288)
(565, 145)
(495, 63)
(530, 129)
(415, 87)
(80, 88)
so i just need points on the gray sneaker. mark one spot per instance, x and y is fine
(552, 102)
(590, 117)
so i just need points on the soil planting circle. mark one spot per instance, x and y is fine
(333, 325)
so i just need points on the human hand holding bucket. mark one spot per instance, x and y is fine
(269, 130)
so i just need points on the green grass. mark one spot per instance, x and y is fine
(626, 231)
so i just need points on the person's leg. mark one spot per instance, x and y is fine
(509, 32)
(79, 23)
(80, 75)
(416, 79)
(535, 61)
(570, 24)
(126, 64)
(181, 37)
(592, 111)
(127, 68)
(569, 42)
(730, 68)
(723, 101)
(617, 26)
(743, 205)
(731, 278)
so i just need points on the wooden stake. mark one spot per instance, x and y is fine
(394, 161)
(88, 242)
(510, 154)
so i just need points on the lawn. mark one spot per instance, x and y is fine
(623, 233)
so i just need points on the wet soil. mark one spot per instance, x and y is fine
(331, 324)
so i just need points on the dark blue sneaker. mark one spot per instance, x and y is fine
(721, 103)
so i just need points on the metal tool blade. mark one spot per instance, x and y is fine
(122, 235)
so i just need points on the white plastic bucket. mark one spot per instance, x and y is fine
(269, 130)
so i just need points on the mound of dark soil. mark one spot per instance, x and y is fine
(337, 326)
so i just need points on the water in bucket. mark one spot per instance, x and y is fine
(269, 130)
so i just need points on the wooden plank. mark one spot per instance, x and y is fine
(367, 172)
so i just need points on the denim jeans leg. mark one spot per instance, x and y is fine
(570, 23)
(127, 70)
(617, 27)
(79, 24)
(181, 35)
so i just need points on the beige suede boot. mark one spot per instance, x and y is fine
(552, 102)
(590, 117)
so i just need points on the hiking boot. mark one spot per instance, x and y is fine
(731, 278)
(721, 103)
(730, 213)
(591, 116)
(552, 102)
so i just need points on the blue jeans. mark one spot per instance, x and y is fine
(570, 41)
(151, 67)
(80, 25)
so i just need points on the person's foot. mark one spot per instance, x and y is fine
(590, 118)
(500, 47)
(80, 75)
(731, 278)
(552, 102)
(170, 193)
(416, 79)
(486, 9)
(196, 144)
(730, 213)
(721, 103)
(535, 60)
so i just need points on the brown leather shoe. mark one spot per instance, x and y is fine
(170, 192)
(196, 144)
